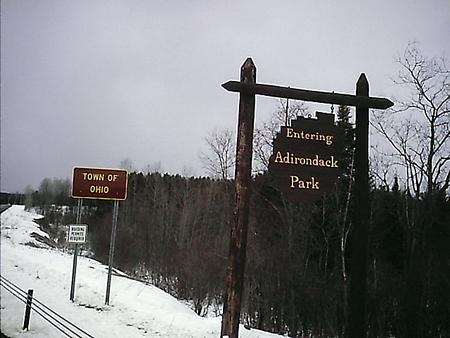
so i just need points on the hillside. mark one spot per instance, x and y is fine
(136, 310)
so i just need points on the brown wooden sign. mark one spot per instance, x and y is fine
(306, 157)
(310, 144)
(99, 183)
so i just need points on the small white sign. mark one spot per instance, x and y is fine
(77, 233)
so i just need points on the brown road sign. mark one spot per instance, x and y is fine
(99, 183)
(306, 157)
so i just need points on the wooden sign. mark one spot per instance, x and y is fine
(306, 164)
(99, 183)
(306, 157)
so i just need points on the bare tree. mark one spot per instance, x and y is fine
(219, 159)
(28, 197)
(418, 129)
(127, 164)
(154, 167)
(266, 133)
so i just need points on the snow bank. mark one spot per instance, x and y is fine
(135, 310)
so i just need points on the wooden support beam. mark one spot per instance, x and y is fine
(239, 222)
(357, 302)
(308, 95)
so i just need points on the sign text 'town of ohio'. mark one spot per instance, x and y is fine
(306, 157)
(99, 183)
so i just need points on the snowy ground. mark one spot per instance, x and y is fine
(135, 310)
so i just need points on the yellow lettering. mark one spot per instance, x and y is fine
(315, 184)
(315, 162)
(291, 133)
(329, 141)
(286, 158)
(278, 158)
(296, 182)
(99, 189)
(294, 179)
(98, 177)
(289, 158)
(112, 178)
(93, 177)
(334, 163)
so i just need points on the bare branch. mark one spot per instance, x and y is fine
(219, 160)
(418, 131)
(266, 133)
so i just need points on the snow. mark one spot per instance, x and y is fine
(135, 310)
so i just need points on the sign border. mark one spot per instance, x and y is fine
(324, 123)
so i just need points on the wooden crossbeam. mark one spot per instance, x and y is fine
(308, 95)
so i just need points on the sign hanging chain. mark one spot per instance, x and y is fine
(332, 106)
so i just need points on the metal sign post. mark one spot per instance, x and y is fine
(111, 249)
(75, 253)
(99, 183)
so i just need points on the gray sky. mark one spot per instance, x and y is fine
(90, 82)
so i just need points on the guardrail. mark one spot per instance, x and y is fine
(62, 324)
(4, 207)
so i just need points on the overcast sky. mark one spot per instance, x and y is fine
(91, 82)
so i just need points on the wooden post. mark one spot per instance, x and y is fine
(239, 223)
(26, 321)
(357, 314)
(356, 325)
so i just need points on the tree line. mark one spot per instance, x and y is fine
(173, 232)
